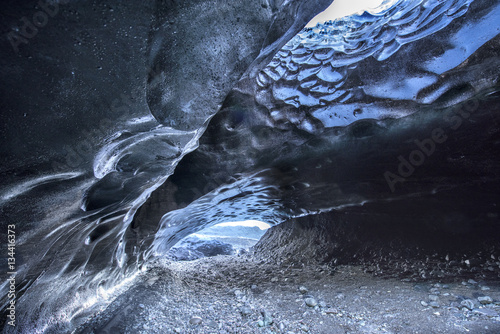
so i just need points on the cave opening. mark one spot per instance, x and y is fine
(369, 143)
(229, 238)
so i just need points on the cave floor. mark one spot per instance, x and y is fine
(231, 294)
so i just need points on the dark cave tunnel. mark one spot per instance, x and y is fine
(368, 142)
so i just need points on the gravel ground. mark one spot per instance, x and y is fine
(239, 294)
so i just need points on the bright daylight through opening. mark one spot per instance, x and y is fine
(342, 8)
(230, 238)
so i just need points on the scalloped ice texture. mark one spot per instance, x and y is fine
(321, 70)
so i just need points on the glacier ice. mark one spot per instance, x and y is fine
(243, 117)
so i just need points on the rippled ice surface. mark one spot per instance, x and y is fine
(328, 70)
(415, 57)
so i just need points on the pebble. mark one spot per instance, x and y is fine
(467, 303)
(433, 298)
(311, 302)
(332, 311)
(302, 289)
(471, 281)
(485, 288)
(268, 320)
(424, 303)
(195, 320)
(246, 310)
(434, 304)
(485, 300)
(177, 330)
(212, 324)
(152, 280)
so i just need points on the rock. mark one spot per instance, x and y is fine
(331, 311)
(184, 254)
(195, 320)
(434, 304)
(433, 298)
(484, 288)
(471, 281)
(322, 304)
(212, 324)
(468, 303)
(302, 289)
(214, 248)
(311, 302)
(473, 262)
(485, 300)
(424, 303)
(486, 311)
(304, 328)
(246, 310)
(177, 330)
(260, 323)
(268, 320)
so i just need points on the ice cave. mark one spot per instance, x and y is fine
(209, 166)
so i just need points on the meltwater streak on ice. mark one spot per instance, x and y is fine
(170, 143)
(87, 251)
(26, 186)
